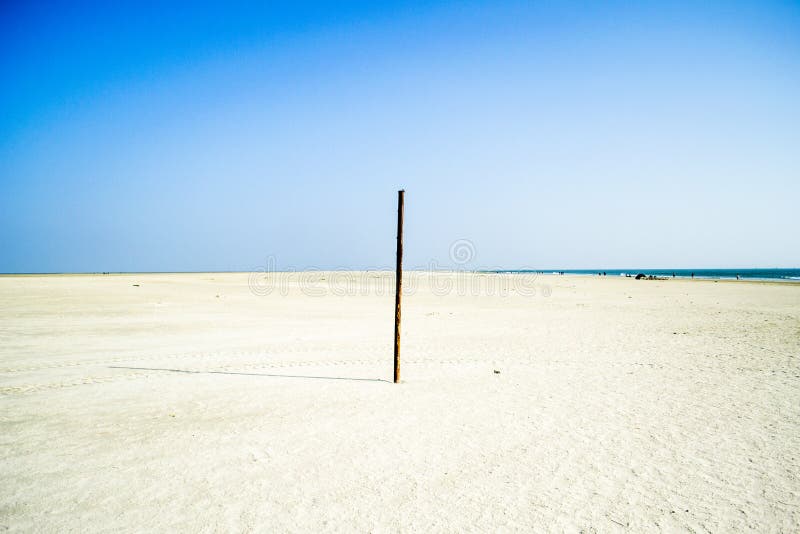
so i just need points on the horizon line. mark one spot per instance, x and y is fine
(389, 269)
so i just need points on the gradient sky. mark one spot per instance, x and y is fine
(210, 136)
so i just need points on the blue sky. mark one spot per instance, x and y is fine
(210, 136)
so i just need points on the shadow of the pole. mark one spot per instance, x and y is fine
(189, 371)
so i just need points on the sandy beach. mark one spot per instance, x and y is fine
(197, 403)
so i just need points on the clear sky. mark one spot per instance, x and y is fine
(208, 136)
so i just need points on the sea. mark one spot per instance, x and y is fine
(787, 275)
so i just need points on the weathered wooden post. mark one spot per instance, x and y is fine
(398, 294)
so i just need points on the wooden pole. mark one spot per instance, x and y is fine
(398, 294)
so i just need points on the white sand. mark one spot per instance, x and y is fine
(620, 405)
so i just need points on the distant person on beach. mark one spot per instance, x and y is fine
(692, 275)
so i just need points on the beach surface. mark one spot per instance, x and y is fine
(236, 402)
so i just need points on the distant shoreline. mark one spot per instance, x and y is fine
(754, 274)
(721, 275)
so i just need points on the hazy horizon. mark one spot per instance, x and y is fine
(416, 268)
(210, 137)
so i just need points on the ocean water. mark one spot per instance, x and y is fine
(789, 275)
